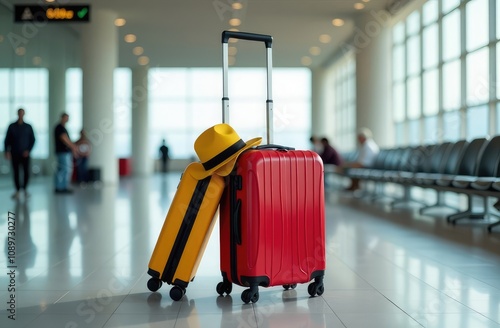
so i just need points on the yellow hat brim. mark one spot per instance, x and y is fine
(224, 168)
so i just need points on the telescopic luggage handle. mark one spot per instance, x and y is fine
(268, 41)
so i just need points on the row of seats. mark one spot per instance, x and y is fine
(470, 168)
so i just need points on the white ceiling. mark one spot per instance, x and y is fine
(186, 33)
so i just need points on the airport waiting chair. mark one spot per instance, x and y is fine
(451, 163)
(468, 164)
(486, 168)
(364, 172)
(411, 162)
(378, 190)
(434, 166)
(398, 164)
(448, 167)
(419, 163)
(485, 174)
(389, 163)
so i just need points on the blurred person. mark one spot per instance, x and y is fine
(164, 157)
(64, 148)
(317, 146)
(84, 150)
(329, 155)
(19, 141)
(368, 152)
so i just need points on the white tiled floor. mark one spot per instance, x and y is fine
(82, 262)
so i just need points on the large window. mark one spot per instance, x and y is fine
(341, 103)
(186, 101)
(26, 88)
(446, 89)
(123, 112)
(122, 108)
(74, 102)
(183, 102)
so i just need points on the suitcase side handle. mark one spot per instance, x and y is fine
(237, 222)
(267, 39)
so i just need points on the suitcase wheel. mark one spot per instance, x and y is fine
(250, 296)
(224, 287)
(154, 284)
(316, 289)
(287, 287)
(177, 292)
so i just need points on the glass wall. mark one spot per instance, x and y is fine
(341, 79)
(25, 88)
(444, 87)
(183, 103)
(122, 108)
(186, 101)
(27, 52)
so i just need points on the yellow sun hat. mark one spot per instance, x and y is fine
(218, 148)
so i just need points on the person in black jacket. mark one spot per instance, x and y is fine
(164, 157)
(19, 142)
(65, 148)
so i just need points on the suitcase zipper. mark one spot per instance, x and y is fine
(185, 230)
(235, 228)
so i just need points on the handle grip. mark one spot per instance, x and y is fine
(267, 39)
(274, 146)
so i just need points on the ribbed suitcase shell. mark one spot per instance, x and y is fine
(282, 219)
(186, 230)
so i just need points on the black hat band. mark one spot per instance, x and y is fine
(224, 155)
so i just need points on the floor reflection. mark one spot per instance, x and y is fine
(20, 243)
(85, 255)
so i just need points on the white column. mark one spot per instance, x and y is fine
(99, 59)
(141, 161)
(57, 106)
(373, 77)
(322, 118)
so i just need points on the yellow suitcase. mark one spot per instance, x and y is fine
(185, 233)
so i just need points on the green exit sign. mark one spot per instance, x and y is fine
(51, 13)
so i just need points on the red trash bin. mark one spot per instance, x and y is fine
(125, 166)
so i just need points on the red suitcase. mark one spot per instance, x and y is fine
(272, 217)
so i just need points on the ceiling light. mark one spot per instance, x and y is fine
(234, 29)
(235, 22)
(138, 51)
(339, 21)
(365, 0)
(325, 38)
(143, 60)
(20, 51)
(50, 0)
(359, 6)
(130, 38)
(232, 51)
(120, 22)
(37, 60)
(315, 51)
(306, 61)
(237, 5)
(231, 60)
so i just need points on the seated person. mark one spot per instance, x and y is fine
(327, 153)
(368, 151)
